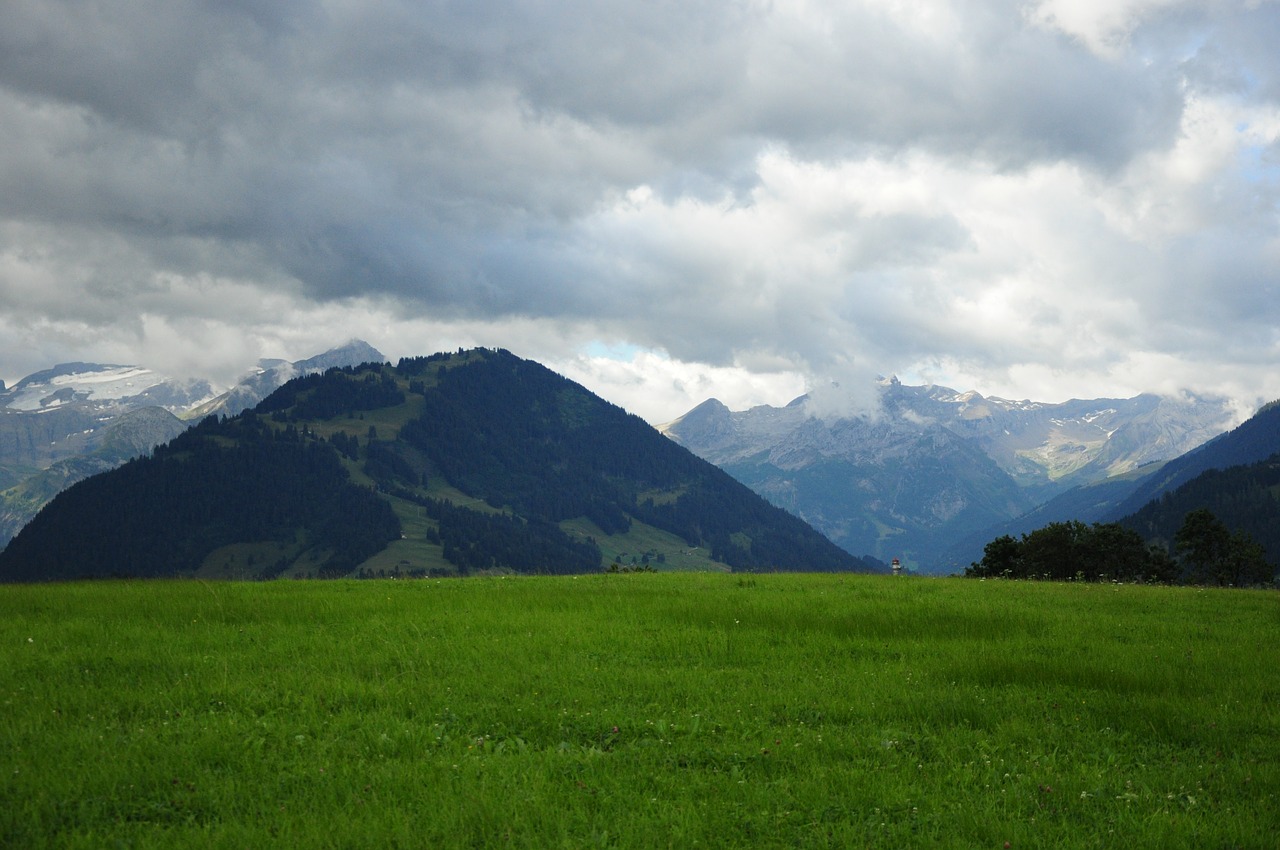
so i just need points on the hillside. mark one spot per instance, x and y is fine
(63, 424)
(132, 434)
(1118, 498)
(933, 469)
(1254, 440)
(447, 465)
(1246, 498)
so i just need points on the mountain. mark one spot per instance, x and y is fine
(130, 435)
(933, 466)
(1087, 503)
(103, 389)
(63, 424)
(1254, 440)
(445, 465)
(270, 375)
(1236, 476)
(1117, 499)
(1245, 498)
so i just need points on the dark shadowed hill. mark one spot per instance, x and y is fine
(1245, 498)
(445, 465)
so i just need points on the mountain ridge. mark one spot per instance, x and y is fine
(932, 465)
(56, 424)
(450, 464)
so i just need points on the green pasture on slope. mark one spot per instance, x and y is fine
(638, 710)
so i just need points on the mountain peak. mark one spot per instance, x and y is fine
(351, 353)
(69, 383)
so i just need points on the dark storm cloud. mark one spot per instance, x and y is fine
(319, 132)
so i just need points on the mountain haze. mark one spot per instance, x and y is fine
(270, 375)
(445, 465)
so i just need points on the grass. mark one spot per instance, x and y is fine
(628, 550)
(642, 710)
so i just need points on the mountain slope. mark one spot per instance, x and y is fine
(269, 375)
(103, 388)
(447, 464)
(934, 467)
(1254, 440)
(1245, 498)
(1228, 475)
(63, 424)
(131, 435)
(1087, 503)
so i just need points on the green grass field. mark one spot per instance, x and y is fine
(643, 710)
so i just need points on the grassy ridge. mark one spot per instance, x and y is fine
(638, 711)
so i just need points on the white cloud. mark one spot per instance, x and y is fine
(1104, 25)
(660, 389)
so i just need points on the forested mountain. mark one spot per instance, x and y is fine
(216, 485)
(1115, 499)
(131, 434)
(1244, 498)
(74, 420)
(449, 464)
(1210, 516)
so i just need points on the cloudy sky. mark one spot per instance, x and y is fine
(666, 200)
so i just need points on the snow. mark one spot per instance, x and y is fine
(107, 384)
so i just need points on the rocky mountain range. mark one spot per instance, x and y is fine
(932, 466)
(63, 424)
(928, 477)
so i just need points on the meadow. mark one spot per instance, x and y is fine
(638, 710)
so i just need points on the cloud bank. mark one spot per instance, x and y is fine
(667, 201)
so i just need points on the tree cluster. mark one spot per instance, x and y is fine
(1206, 553)
(415, 366)
(1073, 551)
(473, 541)
(1246, 498)
(339, 391)
(1213, 554)
(387, 466)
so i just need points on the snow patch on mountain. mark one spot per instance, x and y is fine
(103, 386)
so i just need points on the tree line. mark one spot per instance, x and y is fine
(1204, 552)
(338, 391)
